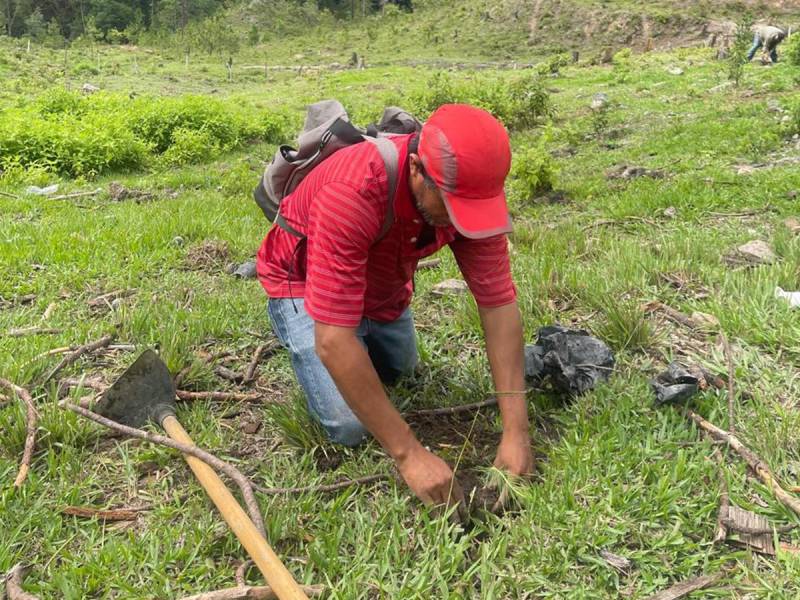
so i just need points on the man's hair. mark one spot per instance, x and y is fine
(413, 148)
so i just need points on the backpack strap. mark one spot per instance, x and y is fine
(388, 152)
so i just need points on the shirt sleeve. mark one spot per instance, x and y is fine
(486, 267)
(341, 228)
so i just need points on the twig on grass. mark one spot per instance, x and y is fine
(114, 514)
(14, 580)
(23, 331)
(218, 396)
(30, 427)
(250, 374)
(758, 466)
(241, 572)
(228, 374)
(261, 592)
(741, 528)
(321, 488)
(451, 410)
(619, 221)
(232, 472)
(76, 195)
(72, 357)
(684, 588)
(10, 195)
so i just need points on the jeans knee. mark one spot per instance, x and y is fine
(347, 432)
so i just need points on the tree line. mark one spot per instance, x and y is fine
(114, 20)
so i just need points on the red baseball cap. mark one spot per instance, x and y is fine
(466, 152)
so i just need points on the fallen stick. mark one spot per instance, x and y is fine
(114, 514)
(684, 588)
(104, 299)
(72, 357)
(431, 263)
(232, 472)
(758, 466)
(22, 332)
(227, 374)
(14, 584)
(30, 427)
(9, 195)
(76, 195)
(241, 573)
(451, 410)
(321, 488)
(262, 592)
(217, 396)
(672, 314)
(250, 374)
(181, 394)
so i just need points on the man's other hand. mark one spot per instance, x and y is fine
(430, 478)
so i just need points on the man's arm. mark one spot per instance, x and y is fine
(502, 328)
(349, 364)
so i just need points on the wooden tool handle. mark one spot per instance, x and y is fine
(277, 576)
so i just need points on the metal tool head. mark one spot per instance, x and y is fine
(145, 391)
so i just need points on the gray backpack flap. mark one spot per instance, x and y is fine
(327, 129)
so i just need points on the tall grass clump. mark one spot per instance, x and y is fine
(626, 327)
(74, 135)
(519, 103)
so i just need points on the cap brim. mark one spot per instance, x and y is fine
(478, 218)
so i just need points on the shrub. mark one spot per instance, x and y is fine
(519, 103)
(533, 172)
(792, 51)
(85, 68)
(58, 101)
(190, 146)
(738, 52)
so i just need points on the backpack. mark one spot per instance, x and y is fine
(328, 129)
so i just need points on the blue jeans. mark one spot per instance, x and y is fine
(392, 347)
(757, 43)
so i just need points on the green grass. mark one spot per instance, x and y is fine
(614, 472)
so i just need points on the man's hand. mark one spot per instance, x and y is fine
(514, 454)
(430, 478)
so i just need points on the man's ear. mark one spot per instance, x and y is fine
(415, 164)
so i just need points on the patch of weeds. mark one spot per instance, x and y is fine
(626, 327)
(209, 255)
(295, 424)
(534, 171)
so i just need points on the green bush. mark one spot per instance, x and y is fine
(74, 147)
(519, 103)
(533, 172)
(85, 68)
(792, 51)
(190, 146)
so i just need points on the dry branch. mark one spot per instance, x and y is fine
(14, 584)
(232, 472)
(22, 332)
(9, 195)
(218, 396)
(321, 488)
(105, 299)
(241, 573)
(30, 426)
(227, 374)
(684, 588)
(114, 514)
(76, 195)
(451, 410)
(73, 356)
(758, 466)
(250, 374)
(263, 592)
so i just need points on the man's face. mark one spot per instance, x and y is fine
(427, 198)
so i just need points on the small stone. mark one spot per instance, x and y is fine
(178, 241)
(757, 252)
(599, 101)
(117, 304)
(246, 270)
(450, 287)
(88, 88)
(792, 224)
(705, 321)
(675, 70)
(774, 106)
(786, 119)
(792, 194)
(251, 427)
(231, 267)
(670, 212)
(745, 169)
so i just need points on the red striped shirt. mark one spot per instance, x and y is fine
(341, 271)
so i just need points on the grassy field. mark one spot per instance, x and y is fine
(614, 472)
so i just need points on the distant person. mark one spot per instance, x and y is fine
(769, 37)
